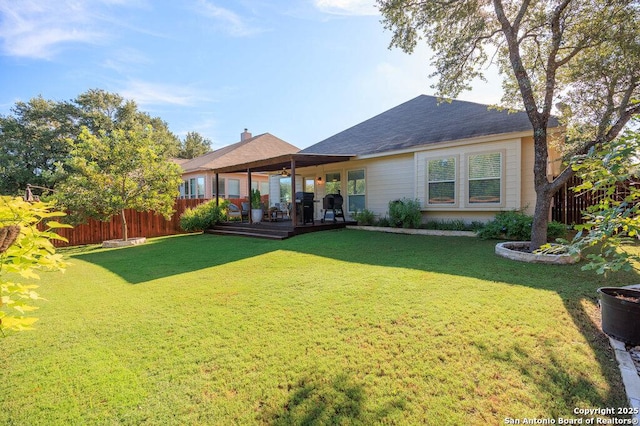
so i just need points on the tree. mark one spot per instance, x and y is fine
(34, 138)
(33, 141)
(117, 170)
(194, 145)
(613, 223)
(24, 250)
(580, 55)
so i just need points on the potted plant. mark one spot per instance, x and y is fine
(256, 206)
(620, 308)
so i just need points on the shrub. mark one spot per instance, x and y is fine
(384, 222)
(405, 213)
(365, 217)
(515, 225)
(448, 225)
(203, 216)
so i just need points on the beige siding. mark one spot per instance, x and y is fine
(404, 176)
(511, 182)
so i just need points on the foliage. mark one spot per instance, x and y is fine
(256, 201)
(579, 55)
(613, 223)
(365, 217)
(194, 145)
(203, 216)
(33, 140)
(36, 138)
(384, 222)
(515, 225)
(117, 170)
(452, 225)
(405, 213)
(30, 252)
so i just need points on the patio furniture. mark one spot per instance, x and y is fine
(245, 210)
(233, 212)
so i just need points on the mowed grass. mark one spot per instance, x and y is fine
(337, 327)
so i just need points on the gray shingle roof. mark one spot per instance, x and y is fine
(422, 121)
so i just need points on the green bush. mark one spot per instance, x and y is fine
(203, 216)
(515, 225)
(384, 222)
(365, 217)
(448, 225)
(405, 213)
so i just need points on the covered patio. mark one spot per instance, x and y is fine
(284, 226)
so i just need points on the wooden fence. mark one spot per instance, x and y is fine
(568, 205)
(139, 224)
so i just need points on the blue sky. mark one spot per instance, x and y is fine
(301, 70)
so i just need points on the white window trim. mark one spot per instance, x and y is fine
(466, 180)
(457, 181)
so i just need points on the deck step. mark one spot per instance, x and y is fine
(240, 233)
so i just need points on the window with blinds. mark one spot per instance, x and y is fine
(441, 181)
(485, 178)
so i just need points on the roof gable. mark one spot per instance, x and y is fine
(421, 121)
(256, 148)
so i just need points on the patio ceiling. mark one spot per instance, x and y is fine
(284, 161)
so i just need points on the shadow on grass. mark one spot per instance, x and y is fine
(456, 256)
(322, 400)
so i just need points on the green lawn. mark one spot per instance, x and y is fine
(336, 327)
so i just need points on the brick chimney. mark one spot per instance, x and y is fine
(245, 135)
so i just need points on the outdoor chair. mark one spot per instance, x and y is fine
(245, 210)
(233, 212)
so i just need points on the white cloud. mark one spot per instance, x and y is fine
(145, 93)
(39, 29)
(229, 21)
(347, 7)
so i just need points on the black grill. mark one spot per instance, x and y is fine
(332, 205)
(304, 206)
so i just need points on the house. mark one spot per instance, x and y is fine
(199, 173)
(461, 160)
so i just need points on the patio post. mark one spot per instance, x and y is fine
(217, 189)
(249, 192)
(294, 207)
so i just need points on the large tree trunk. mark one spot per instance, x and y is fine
(125, 236)
(540, 219)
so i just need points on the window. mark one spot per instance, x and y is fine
(264, 188)
(199, 187)
(183, 189)
(333, 183)
(221, 191)
(234, 188)
(285, 189)
(485, 176)
(309, 185)
(356, 189)
(441, 181)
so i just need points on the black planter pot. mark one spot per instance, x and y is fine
(620, 317)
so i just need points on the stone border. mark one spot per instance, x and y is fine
(629, 374)
(550, 259)
(410, 231)
(121, 243)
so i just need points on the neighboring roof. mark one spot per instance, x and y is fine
(253, 149)
(421, 121)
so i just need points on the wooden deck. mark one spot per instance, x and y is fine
(274, 230)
